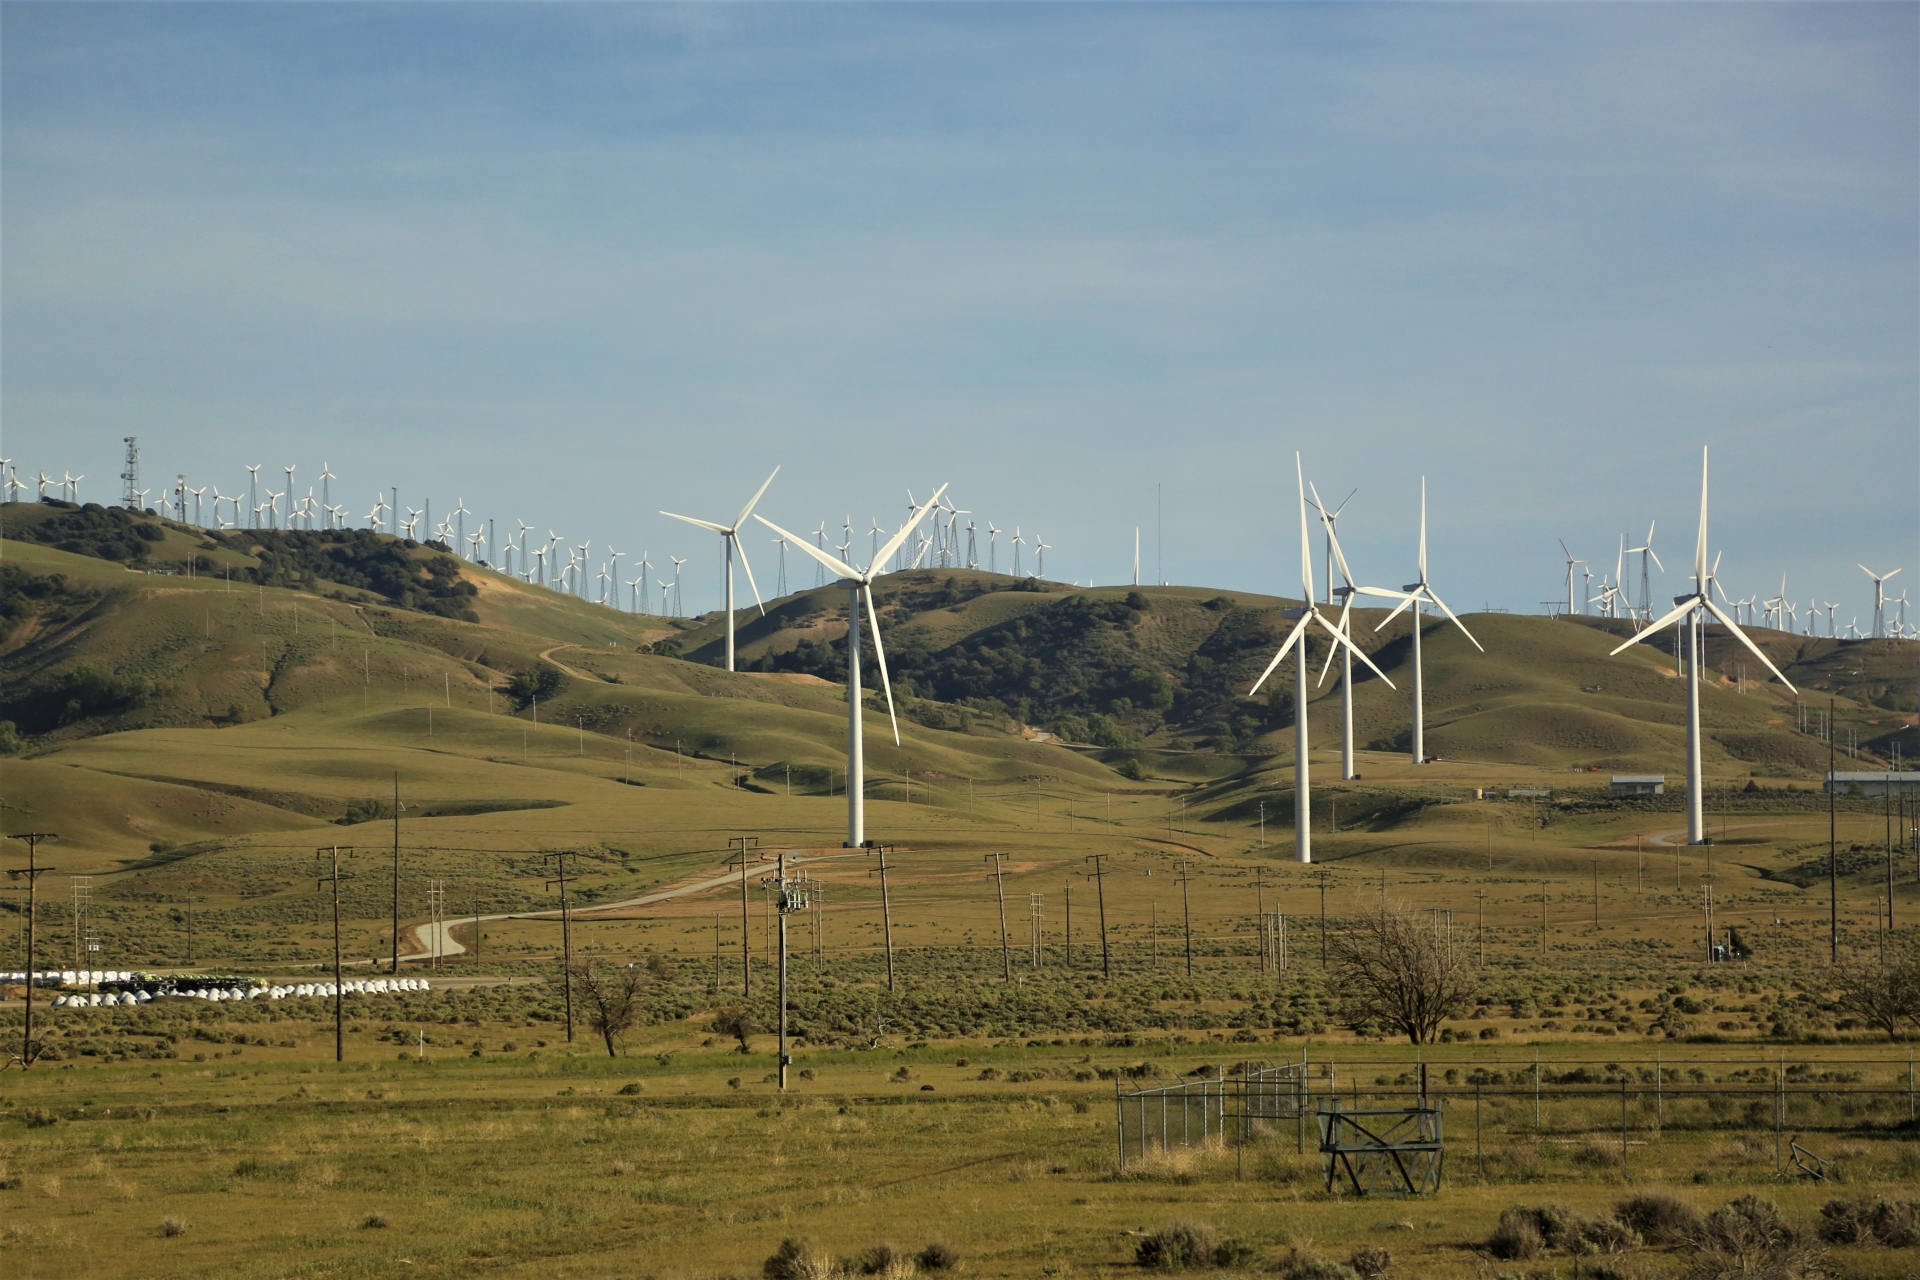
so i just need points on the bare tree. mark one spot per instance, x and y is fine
(612, 998)
(1394, 968)
(1884, 992)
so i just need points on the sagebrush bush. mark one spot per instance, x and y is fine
(1177, 1246)
(1516, 1237)
(171, 1226)
(1370, 1262)
(937, 1256)
(1305, 1266)
(1747, 1239)
(1659, 1216)
(1892, 1224)
(797, 1259)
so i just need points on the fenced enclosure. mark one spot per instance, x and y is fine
(1524, 1119)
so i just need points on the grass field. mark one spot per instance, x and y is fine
(279, 721)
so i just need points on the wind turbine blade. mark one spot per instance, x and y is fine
(704, 524)
(832, 562)
(1700, 544)
(1889, 575)
(893, 543)
(748, 509)
(1346, 611)
(1423, 529)
(880, 655)
(741, 547)
(1357, 652)
(1734, 627)
(1656, 557)
(1406, 598)
(1306, 552)
(1678, 612)
(1285, 646)
(1456, 621)
(1339, 556)
(1383, 592)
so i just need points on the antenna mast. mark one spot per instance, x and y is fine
(130, 478)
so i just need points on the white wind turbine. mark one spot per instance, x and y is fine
(253, 493)
(993, 551)
(326, 489)
(860, 586)
(1418, 595)
(1571, 562)
(1645, 551)
(1879, 600)
(677, 562)
(729, 536)
(45, 480)
(1017, 540)
(644, 566)
(1297, 642)
(1331, 523)
(1039, 557)
(461, 513)
(1346, 592)
(1689, 608)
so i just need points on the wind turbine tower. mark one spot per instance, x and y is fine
(1418, 595)
(1296, 641)
(729, 537)
(860, 587)
(1879, 600)
(1688, 610)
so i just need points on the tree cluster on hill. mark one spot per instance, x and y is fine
(106, 533)
(390, 567)
(1092, 669)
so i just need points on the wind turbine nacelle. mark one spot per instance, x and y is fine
(1413, 586)
(1678, 600)
(849, 584)
(1295, 613)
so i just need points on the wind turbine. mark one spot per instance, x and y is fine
(253, 495)
(45, 480)
(1346, 592)
(678, 609)
(729, 535)
(1017, 540)
(645, 565)
(780, 577)
(614, 560)
(289, 497)
(1569, 576)
(860, 586)
(1039, 557)
(1644, 551)
(1879, 599)
(196, 502)
(326, 486)
(461, 513)
(993, 551)
(1688, 608)
(1331, 523)
(1417, 594)
(1297, 642)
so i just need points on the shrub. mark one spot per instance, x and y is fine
(1894, 1224)
(171, 1226)
(938, 1256)
(1370, 1262)
(1516, 1236)
(375, 1221)
(1746, 1239)
(798, 1260)
(628, 1090)
(1304, 1266)
(882, 1260)
(1658, 1216)
(1178, 1246)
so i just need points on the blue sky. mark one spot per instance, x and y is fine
(574, 263)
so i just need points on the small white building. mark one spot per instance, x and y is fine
(1877, 782)
(1638, 784)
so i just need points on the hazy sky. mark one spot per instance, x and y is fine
(574, 263)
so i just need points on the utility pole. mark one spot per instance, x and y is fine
(396, 871)
(1482, 895)
(886, 911)
(791, 896)
(559, 858)
(1323, 919)
(1066, 945)
(476, 932)
(1000, 887)
(333, 879)
(1596, 893)
(1260, 914)
(1186, 913)
(28, 1049)
(1099, 878)
(745, 845)
(1833, 856)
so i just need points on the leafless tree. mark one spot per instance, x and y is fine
(612, 994)
(1884, 992)
(1394, 968)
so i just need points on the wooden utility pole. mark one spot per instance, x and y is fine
(1596, 893)
(559, 858)
(1099, 878)
(1000, 888)
(1066, 958)
(1323, 919)
(28, 1049)
(1833, 853)
(333, 879)
(396, 871)
(745, 845)
(1260, 915)
(1186, 913)
(886, 911)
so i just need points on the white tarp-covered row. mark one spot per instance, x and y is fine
(368, 986)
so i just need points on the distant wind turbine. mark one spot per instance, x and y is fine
(729, 536)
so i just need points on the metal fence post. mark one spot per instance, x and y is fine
(1536, 1095)
(1625, 1166)
(1479, 1155)
(1120, 1123)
